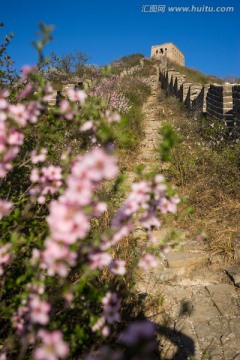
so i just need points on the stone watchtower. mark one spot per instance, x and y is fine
(168, 51)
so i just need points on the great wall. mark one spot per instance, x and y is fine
(212, 100)
(188, 277)
(209, 100)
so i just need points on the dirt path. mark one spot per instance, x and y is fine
(189, 293)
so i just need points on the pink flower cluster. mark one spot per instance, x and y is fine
(32, 311)
(112, 117)
(5, 207)
(119, 102)
(66, 108)
(37, 158)
(68, 219)
(5, 257)
(53, 347)
(150, 198)
(111, 308)
(77, 95)
(91, 127)
(48, 179)
(109, 89)
(147, 262)
(100, 259)
(39, 310)
(13, 118)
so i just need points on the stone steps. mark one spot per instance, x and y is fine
(200, 303)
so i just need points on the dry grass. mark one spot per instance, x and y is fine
(195, 75)
(210, 180)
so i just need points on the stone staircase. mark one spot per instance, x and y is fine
(191, 297)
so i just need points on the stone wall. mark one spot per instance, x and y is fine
(193, 92)
(236, 108)
(216, 101)
(220, 103)
(132, 69)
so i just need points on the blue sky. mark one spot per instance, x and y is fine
(106, 30)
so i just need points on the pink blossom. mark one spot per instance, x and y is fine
(41, 200)
(69, 297)
(41, 157)
(39, 310)
(109, 90)
(115, 117)
(5, 257)
(99, 260)
(99, 324)
(148, 261)
(66, 109)
(3, 115)
(47, 92)
(34, 176)
(5, 207)
(19, 114)
(99, 208)
(118, 235)
(18, 318)
(52, 173)
(57, 258)
(35, 256)
(36, 288)
(150, 221)
(48, 179)
(15, 137)
(4, 93)
(33, 111)
(159, 179)
(28, 90)
(53, 348)
(67, 222)
(86, 126)
(28, 69)
(118, 267)
(168, 205)
(78, 191)
(101, 165)
(159, 191)
(105, 331)
(95, 166)
(111, 307)
(3, 104)
(77, 95)
(137, 199)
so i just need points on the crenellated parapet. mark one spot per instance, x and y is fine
(236, 108)
(220, 103)
(216, 101)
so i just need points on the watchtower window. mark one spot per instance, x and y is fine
(156, 51)
(161, 50)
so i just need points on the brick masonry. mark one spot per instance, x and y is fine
(236, 108)
(215, 101)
